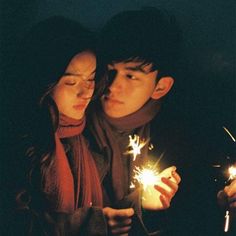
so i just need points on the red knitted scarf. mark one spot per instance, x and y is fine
(69, 187)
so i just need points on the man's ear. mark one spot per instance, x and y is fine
(163, 86)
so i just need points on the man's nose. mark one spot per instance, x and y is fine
(111, 77)
(115, 81)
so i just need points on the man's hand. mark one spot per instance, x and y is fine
(119, 220)
(173, 185)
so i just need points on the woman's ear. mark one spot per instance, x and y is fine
(163, 86)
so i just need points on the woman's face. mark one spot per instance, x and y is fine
(75, 88)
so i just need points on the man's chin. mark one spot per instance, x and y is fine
(113, 111)
(113, 114)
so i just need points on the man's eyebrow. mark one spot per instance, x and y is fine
(136, 68)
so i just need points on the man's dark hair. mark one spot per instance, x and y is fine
(147, 35)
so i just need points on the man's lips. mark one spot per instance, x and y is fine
(112, 100)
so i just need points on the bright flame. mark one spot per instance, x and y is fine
(232, 172)
(146, 176)
(136, 145)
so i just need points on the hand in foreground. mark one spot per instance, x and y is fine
(230, 192)
(172, 183)
(119, 220)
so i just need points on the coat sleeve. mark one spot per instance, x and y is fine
(84, 221)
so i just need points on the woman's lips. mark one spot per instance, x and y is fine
(80, 106)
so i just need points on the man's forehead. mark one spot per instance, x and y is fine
(138, 66)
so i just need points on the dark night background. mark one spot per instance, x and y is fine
(207, 77)
(206, 85)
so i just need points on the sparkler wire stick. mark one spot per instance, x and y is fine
(231, 136)
(227, 219)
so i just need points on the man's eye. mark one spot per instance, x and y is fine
(132, 77)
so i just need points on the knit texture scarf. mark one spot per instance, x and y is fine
(105, 130)
(75, 183)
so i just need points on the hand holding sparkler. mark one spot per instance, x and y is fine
(118, 220)
(159, 189)
(227, 197)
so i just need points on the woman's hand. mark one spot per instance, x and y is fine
(118, 220)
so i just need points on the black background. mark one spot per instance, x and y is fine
(207, 78)
(206, 85)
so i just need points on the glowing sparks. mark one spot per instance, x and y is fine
(232, 172)
(136, 145)
(228, 132)
(146, 175)
(216, 166)
(150, 147)
(132, 185)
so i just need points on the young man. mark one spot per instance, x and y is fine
(139, 50)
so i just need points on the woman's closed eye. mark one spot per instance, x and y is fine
(70, 82)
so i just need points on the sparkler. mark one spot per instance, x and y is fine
(232, 176)
(148, 176)
(232, 172)
(136, 145)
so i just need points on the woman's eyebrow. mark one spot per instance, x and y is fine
(70, 74)
(76, 74)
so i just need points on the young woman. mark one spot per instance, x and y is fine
(61, 194)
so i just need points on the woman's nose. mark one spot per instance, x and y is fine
(85, 88)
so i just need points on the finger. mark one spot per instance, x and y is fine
(232, 205)
(122, 230)
(164, 192)
(124, 213)
(115, 223)
(165, 202)
(232, 201)
(173, 168)
(229, 191)
(120, 213)
(171, 184)
(176, 176)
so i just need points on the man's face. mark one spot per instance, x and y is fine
(132, 86)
